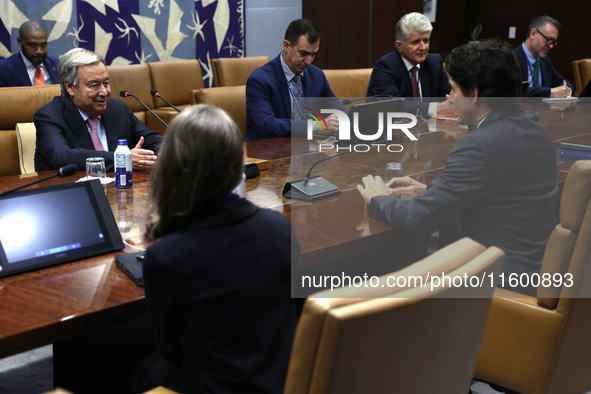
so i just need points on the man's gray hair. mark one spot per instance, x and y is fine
(412, 22)
(69, 62)
(541, 21)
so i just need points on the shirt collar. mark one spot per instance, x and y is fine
(85, 117)
(286, 70)
(409, 64)
(480, 123)
(528, 54)
(26, 61)
(29, 64)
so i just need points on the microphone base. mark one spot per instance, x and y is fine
(317, 188)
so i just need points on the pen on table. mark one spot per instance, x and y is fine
(564, 83)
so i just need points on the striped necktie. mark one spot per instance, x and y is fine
(298, 102)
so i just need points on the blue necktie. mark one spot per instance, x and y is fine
(298, 102)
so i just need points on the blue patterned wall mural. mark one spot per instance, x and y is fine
(132, 31)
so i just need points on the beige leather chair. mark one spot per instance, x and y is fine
(582, 71)
(234, 71)
(160, 390)
(174, 80)
(19, 104)
(26, 136)
(135, 79)
(348, 83)
(543, 344)
(231, 99)
(410, 340)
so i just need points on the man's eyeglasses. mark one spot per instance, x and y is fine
(549, 41)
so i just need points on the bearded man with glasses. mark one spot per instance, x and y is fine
(538, 74)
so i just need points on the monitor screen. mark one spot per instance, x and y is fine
(55, 224)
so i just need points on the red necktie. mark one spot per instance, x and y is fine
(39, 77)
(415, 85)
(98, 145)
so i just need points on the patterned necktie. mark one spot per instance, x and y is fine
(415, 84)
(96, 141)
(39, 77)
(298, 92)
(536, 73)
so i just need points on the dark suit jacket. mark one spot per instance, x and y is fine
(218, 294)
(550, 77)
(63, 138)
(13, 71)
(500, 181)
(390, 77)
(586, 90)
(268, 102)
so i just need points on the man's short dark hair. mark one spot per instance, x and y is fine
(489, 66)
(302, 27)
(540, 21)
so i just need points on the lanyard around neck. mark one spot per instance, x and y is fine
(531, 71)
(300, 110)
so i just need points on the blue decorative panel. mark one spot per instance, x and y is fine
(132, 31)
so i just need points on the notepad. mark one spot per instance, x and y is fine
(131, 266)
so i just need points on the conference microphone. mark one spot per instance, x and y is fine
(155, 93)
(351, 101)
(125, 93)
(62, 172)
(311, 189)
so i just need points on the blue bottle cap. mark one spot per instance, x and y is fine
(122, 142)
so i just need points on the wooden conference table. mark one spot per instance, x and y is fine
(56, 303)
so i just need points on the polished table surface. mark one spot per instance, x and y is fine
(40, 307)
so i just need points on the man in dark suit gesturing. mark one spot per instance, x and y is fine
(409, 70)
(500, 179)
(86, 122)
(31, 66)
(537, 70)
(275, 91)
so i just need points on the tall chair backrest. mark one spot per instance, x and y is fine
(135, 79)
(231, 99)
(175, 80)
(561, 244)
(26, 137)
(375, 339)
(348, 83)
(19, 105)
(234, 71)
(582, 72)
(541, 345)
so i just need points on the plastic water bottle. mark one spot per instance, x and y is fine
(123, 170)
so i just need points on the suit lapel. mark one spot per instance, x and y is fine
(21, 71)
(405, 83)
(51, 67)
(78, 126)
(545, 73)
(283, 88)
(523, 63)
(426, 82)
(109, 124)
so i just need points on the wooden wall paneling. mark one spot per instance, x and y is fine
(355, 33)
(448, 28)
(386, 14)
(498, 15)
(344, 30)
